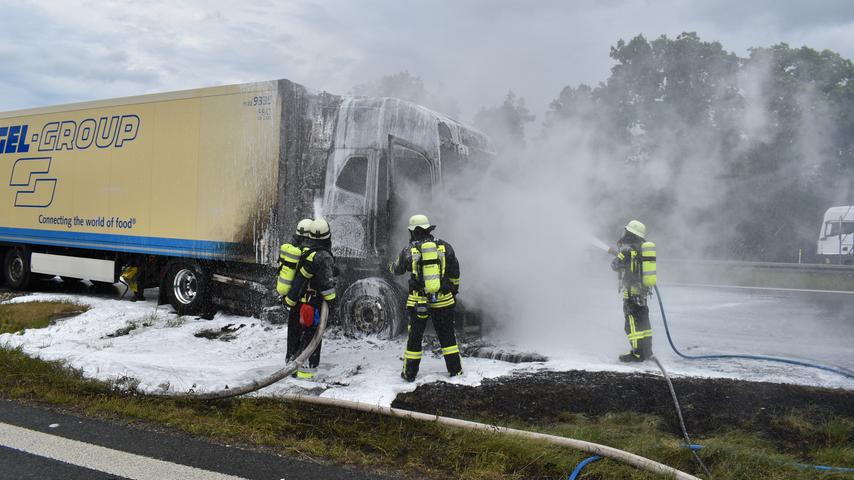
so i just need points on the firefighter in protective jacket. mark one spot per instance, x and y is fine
(433, 285)
(289, 257)
(636, 265)
(314, 282)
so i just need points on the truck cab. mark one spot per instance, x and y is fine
(388, 161)
(836, 237)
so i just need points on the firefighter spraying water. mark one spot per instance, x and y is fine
(635, 264)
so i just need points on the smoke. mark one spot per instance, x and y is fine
(526, 228)
(523, 236)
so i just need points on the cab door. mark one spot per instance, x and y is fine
(411, 180)
(346, 206)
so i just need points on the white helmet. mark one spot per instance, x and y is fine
(319, 229)
(636, 228)
(419, 221)
(303, 227)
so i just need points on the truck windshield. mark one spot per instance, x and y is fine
(832, 229)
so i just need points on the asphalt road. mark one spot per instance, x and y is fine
(791, 323)
(39, 443)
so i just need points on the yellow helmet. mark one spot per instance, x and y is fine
(636, 228)
(419, 221)
(303, 227)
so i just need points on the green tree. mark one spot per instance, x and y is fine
(506, 122)
(772, 135)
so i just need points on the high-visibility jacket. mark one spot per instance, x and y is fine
(637, 264)
(316, 273)
(425, 258)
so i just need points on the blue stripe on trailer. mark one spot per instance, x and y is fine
(178, 247)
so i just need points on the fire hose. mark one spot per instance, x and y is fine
(593, 448)
(274, 377)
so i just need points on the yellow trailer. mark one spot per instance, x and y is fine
(203, 185)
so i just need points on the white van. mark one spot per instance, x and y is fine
(836, 235)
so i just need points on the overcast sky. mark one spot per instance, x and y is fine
(474, 51)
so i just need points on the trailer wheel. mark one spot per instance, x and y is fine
(187, 288)
(16, 268)
(371, 306)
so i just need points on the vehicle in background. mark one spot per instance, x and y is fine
(836, 238)
(201, 186)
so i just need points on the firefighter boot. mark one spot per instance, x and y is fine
(411, 362)
(452, 360)
(631, 357)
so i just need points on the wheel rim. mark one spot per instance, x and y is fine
(16, 269)
(185, 286)
(368, 315)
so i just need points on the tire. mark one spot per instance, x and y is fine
(16, 268)
(371, 306)
(188, 288)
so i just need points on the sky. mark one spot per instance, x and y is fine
(472, 51)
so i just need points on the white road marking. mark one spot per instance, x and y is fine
(102, 459)
(803, 290)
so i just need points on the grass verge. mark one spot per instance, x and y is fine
(15, 317)
(425, 449)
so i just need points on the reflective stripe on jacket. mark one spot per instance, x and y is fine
(316, 273)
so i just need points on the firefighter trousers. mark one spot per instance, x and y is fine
(299, 337)
(443, 323)
(637, 327)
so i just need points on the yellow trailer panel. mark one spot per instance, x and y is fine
(188, 173)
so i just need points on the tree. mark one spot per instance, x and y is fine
(746, 152)
(506, 122)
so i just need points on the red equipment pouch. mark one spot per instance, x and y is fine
(306, 315)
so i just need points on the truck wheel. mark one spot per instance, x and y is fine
(371, 306)
(16, 268)
(187, 288)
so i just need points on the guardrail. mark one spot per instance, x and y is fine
(798, 267)
(758, 274)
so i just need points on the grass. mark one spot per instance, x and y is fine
(427, 449)
(15, 317)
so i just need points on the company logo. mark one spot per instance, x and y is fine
(70, 135)
(34, 187)
(13, 139)
(105, 132)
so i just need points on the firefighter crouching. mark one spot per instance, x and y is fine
(312, 282)
(636, 264)
(433, 284)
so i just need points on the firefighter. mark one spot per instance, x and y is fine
(314, 282)
(134, 276)
(635, 262)
(289, 256)
(433, 284)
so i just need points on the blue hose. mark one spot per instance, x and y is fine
(580, 466)
(823, 468)
(837, 370)
(840, 371)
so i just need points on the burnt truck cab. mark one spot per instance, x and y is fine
(387, 161)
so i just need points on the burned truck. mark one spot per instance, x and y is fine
(201, 186)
